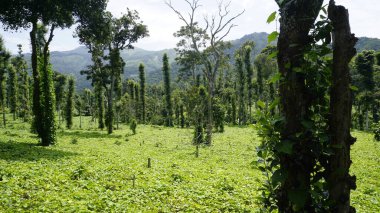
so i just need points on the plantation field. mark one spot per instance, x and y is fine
(90, 171)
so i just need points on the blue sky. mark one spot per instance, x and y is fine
(162, 22)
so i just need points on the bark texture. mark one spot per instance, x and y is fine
(297, 18)
(339, 180)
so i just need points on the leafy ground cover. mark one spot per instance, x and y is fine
(90, 171)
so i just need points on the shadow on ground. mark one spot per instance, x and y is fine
(88, 134)
(18, 151)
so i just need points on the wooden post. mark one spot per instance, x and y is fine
(149, 163)
(339, 181)
(197, 151)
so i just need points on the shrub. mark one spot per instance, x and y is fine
(376, 131)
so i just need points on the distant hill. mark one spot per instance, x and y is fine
(72, 62)
(365, 43)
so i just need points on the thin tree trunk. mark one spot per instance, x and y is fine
(3, 109)
(210, 116)
(110, 106)
(366, 120)
(339, 180)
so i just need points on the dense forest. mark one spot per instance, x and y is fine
(299, 93)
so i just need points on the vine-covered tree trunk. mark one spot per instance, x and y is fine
(47, 102)
(297, 18)
(37, 121)
(99, 95)
(339, 180)
(110, 106)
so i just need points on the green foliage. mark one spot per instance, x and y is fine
(168, 99)
(13, 90)
(376, 131)
(99, 96)
(219, 114)
(4, 61)
(142, 91)
(220, 180)
(100, 32)
(23, 81)
(70, 103)
(274, 149)
(241, 90)
(133, 126)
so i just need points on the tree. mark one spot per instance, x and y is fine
(70, 103)
(79, 107)
(249, 71)
(142, 91)
(59, 84)
(168, 92)
(241, 89)
(23, 84)
(364, 66)
(105, 32)
(4, 62)
(99, 96)
(315, 111)
(205, 45)
(47, 103)
(25, 14)
(13, 90)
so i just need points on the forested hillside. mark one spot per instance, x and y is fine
(73, 61)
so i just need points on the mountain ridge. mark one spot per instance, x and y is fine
(71, 62)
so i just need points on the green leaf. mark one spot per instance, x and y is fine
(273, 36)
(273, 55)
(261, 104)
(275, 78)
(275, 103)
(285, 147)
(354, 88)
(271, 17)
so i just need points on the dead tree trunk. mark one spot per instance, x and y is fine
(297, 18)
(339, 180)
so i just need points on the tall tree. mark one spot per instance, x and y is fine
(364, 64)
(23, 81)
(205, 45)
(142, 91)
(297, 19)
(13, 90)
(79, 107)
(4, 63)
(59, 84)
(241, 89)
(25, 14)
(99, 96)
(70, 103)
(105, 32)
(168, 92)
(249, 70)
